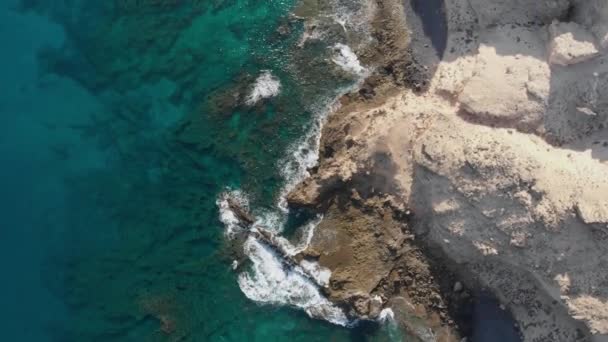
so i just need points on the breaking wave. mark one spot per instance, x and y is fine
(303, 155)
(265, 86)
(346, 59)
(227, 216)
(386, 315)
(389, 324)
(319, 273)
(270, 282)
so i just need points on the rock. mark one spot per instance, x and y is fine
(592, 207)
(570, 44)
(508, 89)
(586, 111)
(305, 195)
(414, 321)
(375, 306)
(360, 302)
(497, 161)
(243, 216)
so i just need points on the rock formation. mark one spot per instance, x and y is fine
(498, 171)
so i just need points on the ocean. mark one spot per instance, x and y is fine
(122, 124)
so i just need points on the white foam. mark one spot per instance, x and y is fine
(269, 282)
(346, 59)
(227, 216)
(319, 273)
(307, 234)
(265, 86)
(353, 16)
(386, 315)
(391, 327)
(270, 220)
(310, 33)
(304, 153)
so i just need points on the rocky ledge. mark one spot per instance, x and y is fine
(488, 169)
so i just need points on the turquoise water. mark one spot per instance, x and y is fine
(121, 121)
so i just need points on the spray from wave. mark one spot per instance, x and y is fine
(386, 315)
(270, 282)
(353, 16)
(389, 324)
(265, 86)
(227, 216)
(346, 59)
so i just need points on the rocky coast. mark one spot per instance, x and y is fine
(476, 163)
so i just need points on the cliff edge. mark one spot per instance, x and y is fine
(496, 168)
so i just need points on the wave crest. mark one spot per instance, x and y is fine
(265, 86)
(346, 59)
(270, 282)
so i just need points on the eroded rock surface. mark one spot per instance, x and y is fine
(501, 166)
(570, 44)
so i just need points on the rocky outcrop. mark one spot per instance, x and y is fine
(503, 163)
(570, 44)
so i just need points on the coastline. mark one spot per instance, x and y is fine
(399, 150)
(394, 170)
(424, 310)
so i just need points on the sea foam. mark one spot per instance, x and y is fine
(227, 216)
(391, 327)
(319, 273)
(346, 59)
(304, 153)
(386, 315)
(270, 282)
(265, 86)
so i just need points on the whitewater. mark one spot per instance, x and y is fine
(265, 87)
(267, 280)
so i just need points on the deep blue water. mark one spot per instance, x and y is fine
(32, 196)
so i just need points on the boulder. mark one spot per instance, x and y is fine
(570, 44)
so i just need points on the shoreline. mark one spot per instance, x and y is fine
(360, 169)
